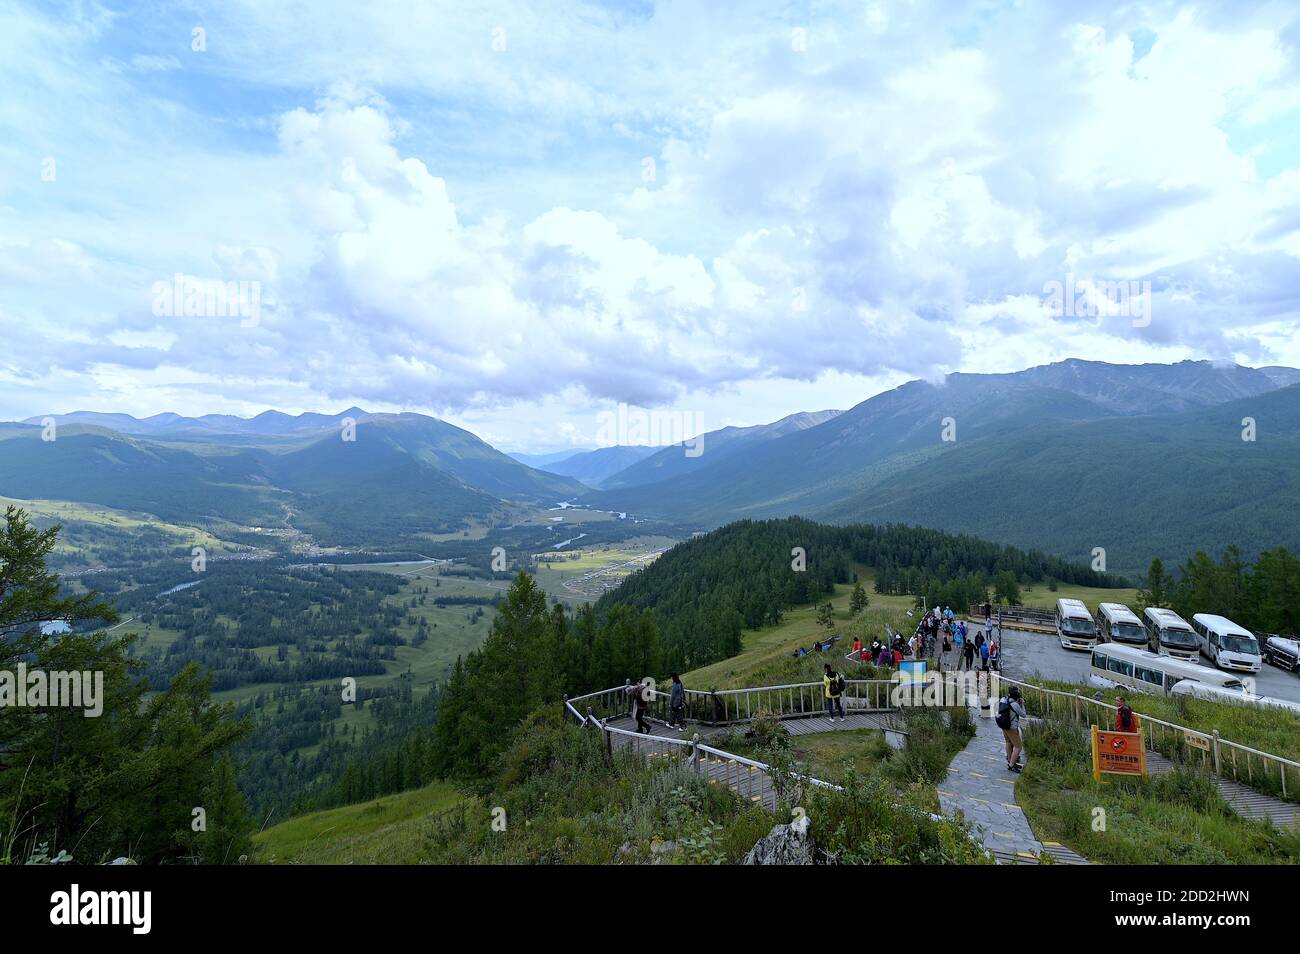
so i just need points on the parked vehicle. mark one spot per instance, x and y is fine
(1216, 694)
(1075, 627)
(1282, 652)
(1114, 665)
(1226, 644)
(1169, 634)
(1116, 623)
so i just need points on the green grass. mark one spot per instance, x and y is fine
(389, 830)
(1177, 818)
(1039, 596)
(767, 659)
(1275, 731)
(94, 534)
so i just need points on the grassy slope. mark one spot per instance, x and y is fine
(106, 527)
(388, 830)
(1041, 597)
(1178, 818)
(766, 658)
(355, 833)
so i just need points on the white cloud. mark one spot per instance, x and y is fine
(438, 226)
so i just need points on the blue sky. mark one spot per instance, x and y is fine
(517, 216)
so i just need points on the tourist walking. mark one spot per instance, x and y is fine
(677, 704)
(1010, 711)
(640, 695)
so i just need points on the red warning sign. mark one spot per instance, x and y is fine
(1117, 753)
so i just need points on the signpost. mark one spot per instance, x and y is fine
(1117, 753)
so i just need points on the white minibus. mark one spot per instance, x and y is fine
(1215, 694)
(1075, 627)
(1226, 644)
(1141, 670)
(1169, 634)
(1119, 624)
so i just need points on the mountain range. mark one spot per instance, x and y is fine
(1036, 458)
(1142, 460)
(399, 476)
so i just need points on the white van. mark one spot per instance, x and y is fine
(1075, 627)
(1214, 694)
(1226, 644)
(1116, 623)
(1141, 670)
(1169, 634)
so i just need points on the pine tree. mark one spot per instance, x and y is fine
(858, 601)
(1156, 586)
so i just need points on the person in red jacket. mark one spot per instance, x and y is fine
(857, 649)
(1126, 719)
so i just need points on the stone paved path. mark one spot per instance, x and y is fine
(980, 787)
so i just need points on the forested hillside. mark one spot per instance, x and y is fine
(745, 574)
(1137, 486)
(1140, 460)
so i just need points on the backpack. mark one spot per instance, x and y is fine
(1003, 719)
(840, 684)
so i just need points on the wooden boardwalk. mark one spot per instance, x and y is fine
(977, 784)
(1245, 801)
(748, 781)
(859, 720)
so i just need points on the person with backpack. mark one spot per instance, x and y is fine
(833, 689)
(968, 651)
(1010, 711)
(677, 704)
(1126, 719)
(639, 694)
(984, 655)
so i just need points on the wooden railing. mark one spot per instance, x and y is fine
(736, 706)
(1223, 757)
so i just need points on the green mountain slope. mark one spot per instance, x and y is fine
(594, 467)
(403, 476)
(1139, 487)
(887, 460)
(91, 465)
(713, 446)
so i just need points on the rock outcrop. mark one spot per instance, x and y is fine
(783, 845)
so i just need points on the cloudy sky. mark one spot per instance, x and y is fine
(518, 215)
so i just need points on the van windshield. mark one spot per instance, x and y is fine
(1239, 644)
(1179, 638)
(1128, 633)
(1082, 627)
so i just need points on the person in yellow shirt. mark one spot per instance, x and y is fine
(833, 689)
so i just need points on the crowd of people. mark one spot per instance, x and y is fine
(939, 635)
(942, 636)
